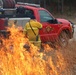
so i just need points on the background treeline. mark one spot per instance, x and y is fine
(60, 6)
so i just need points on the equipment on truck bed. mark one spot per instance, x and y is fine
(7, 4)
(29, 4)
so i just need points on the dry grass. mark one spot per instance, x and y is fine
(69, 55)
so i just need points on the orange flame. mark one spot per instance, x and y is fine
(17, 60)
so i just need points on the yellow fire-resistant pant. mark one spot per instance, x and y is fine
(36, 43)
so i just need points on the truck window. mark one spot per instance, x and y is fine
(29, 12)
(45, 16)
(24, 12)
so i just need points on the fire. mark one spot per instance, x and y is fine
(17, 60)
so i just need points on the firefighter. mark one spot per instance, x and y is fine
(31, 29)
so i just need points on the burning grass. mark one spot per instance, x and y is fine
(17, 60)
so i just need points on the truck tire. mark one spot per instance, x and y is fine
(8, 3)
(63, 39)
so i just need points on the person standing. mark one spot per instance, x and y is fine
(31, 29)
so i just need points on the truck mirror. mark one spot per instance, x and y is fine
(53, 21)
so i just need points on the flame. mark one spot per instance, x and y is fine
(17, 60)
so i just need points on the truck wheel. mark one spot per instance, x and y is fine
(8, 3)
(63, 39)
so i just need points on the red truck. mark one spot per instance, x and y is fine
(54, 29)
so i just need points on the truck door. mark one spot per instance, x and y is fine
(50, 26)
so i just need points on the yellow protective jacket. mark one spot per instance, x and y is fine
(35, 26)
